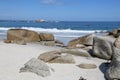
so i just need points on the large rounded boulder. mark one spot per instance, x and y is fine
(113, 73)
(85, 40)
(36, 66)
(22, 34)
(102, 48)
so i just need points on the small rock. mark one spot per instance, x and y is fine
(47, 43)
(87, 66)
(59, 43)
(7, 41)
(20, 42)
(115, 33)
(81, 78)
(117, 42)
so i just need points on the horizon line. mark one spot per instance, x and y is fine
(63, 20)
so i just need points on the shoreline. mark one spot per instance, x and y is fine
(64, 39)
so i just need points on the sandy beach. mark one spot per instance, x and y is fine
(14, 56)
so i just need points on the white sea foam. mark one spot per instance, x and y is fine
(6, 28)
(55, 31)
(65, 35)
(68, 36)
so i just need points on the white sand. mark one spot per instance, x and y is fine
(13, 57)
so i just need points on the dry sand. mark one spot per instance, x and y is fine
(13, 57)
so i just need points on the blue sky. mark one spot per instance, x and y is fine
(61, 10)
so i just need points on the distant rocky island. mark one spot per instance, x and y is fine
(41, 20)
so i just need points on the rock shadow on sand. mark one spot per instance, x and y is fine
(103, 68)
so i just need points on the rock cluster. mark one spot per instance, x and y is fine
(23, 36)
(90, 45)
(106, 47)
(87, 66)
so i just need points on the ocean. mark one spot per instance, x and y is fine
(63, 30)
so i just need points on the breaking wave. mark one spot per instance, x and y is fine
(55, 31)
